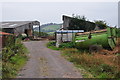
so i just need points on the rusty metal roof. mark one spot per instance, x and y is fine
(4, 33)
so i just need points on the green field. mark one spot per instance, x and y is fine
(51, 28)
(85, 37)
(97, 39)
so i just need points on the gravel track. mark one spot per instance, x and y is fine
(46, 63)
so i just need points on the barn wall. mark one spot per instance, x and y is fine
(69, 23)
(8, 30)
(21, 29)
(66, 21)
(28, 27)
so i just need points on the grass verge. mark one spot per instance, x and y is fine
(0, 69)
(100, 66)
(52, 46)
(14, 56)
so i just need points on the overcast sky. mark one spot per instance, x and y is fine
(47, 12)
(119, 14)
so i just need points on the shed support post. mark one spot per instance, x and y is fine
(39, 31)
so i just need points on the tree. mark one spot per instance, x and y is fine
(79, 17)
(101, 24)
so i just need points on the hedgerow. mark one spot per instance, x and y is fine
(13, 57)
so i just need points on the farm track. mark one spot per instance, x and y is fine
(46, 63)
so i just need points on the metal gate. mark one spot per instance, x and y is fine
(112, 37)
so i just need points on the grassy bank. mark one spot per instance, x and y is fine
(100, 66)
(14, 56)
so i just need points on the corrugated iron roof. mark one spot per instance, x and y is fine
(14, 24)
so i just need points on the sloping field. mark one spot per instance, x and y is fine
(95, 40)
(51, 28)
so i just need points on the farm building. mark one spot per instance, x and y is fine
(70, 27)
(70, 23)
(65, 36)
(19, 27)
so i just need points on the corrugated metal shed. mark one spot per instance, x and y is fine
(19, 27)
(14, 24)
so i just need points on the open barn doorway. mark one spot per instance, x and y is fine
(36, 31)
(28, 32)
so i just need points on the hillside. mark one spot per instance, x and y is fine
(49, 28)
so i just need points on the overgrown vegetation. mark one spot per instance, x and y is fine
(13, 57)
(101, 24)
(96, 65)
(0, 66)
(100, 66)
(52, 46)
(67, 45)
